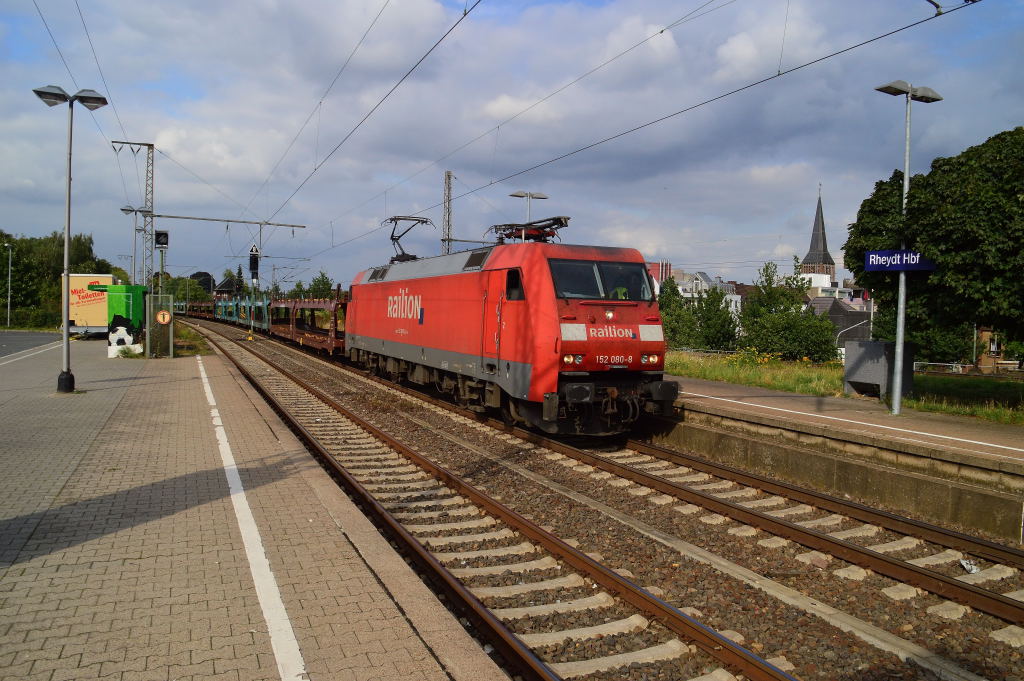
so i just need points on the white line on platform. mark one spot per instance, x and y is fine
(869, 425)
(290, 664)
(51, 346)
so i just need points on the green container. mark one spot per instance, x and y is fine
(126, 312)
(128, 302)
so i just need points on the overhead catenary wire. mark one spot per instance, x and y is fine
(373, 110)
(664, 118)
(496, 129)
(319, 104)
(74, 82)
(108, 93)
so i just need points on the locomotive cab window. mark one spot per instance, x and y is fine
(589, 280)
(514, 285)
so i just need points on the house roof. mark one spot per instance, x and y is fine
(228, 285)
(818, 254)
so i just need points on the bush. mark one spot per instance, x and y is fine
(793, 335)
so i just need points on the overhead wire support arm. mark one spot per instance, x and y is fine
(244, 222)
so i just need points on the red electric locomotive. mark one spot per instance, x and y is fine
(564, 338)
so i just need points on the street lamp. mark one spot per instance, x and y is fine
(918, 94)
(9, 251)
(135, 231)
(92, 100)
(529, 196)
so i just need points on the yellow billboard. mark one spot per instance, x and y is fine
(88, 310)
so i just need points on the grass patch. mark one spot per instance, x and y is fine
(990, 399)
(188, 342)
(761, 370)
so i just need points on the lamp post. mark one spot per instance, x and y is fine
(92, 100)
(918, 94)
(135, 232)
(529, 196)
(9, 251)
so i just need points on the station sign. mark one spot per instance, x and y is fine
(896, 261)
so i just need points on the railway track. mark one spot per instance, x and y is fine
(680, 490)
(483, 551)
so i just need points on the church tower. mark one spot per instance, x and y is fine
(818, 260)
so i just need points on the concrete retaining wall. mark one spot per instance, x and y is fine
(944, 487)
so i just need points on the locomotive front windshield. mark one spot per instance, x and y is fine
(599, 280)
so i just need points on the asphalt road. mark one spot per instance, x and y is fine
(19, 341)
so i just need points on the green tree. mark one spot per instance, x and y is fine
(793, 334)
(677, 317)
(321, 286)
(240, 283)
(773, 293)
(776, 319)
(967, 215)
(187, 289)
(715, 322)
(37, 264)
(298, 291)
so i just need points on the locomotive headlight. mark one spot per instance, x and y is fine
(609, 315)
(648, 359)
(567, 359)
(579, 359)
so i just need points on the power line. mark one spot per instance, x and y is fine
(110, 98)
(74, 82)
(690, 16)
(320, 102)
(698, 105)
(211, 186)
(56, 46)
(664, 118)
(375, 107)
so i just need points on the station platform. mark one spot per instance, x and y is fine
(162, 523)
(954, 470)
(963, 435)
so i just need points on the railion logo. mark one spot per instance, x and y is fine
(404, 306)
(611, 332)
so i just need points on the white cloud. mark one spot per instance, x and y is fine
(224, 88)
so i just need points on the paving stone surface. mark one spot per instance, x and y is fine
(123, 559)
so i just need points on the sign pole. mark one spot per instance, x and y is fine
(901, 301)
(254, 268)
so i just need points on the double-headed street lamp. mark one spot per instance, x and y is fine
(918, 94)
(529, 196)
(92, 100)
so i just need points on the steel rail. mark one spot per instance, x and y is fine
(517, 653)
(980, 599)
(976, 597)
(713, 643)
(926, 531)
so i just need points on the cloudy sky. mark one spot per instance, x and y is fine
(301, 112)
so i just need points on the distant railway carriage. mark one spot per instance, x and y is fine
(567, 339)
(564, 338)
(226, 310)
(317, 323)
